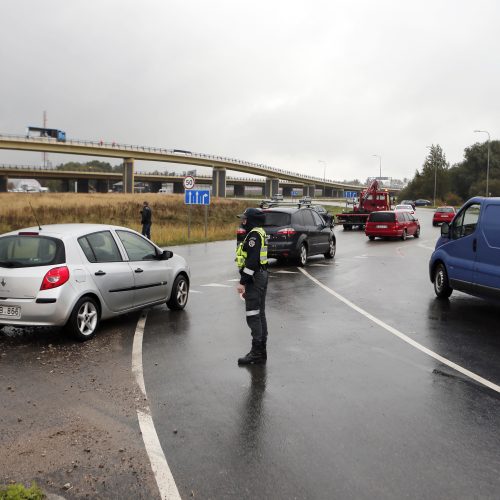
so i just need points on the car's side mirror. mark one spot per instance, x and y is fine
(445, 230)
(165, 255)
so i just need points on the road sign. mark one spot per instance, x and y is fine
(188, 182)
(350, 194)
(197, 197)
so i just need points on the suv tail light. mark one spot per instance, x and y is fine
(287, 231)
(55, 277)
(240, 231)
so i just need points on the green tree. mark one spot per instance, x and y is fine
(434, 175)
(468, 178)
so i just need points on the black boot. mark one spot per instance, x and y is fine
(264, 348)
(256, 356)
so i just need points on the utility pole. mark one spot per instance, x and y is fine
(45, 156)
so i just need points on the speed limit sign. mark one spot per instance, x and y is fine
(188, 182)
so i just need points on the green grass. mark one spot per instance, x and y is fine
(20, 492)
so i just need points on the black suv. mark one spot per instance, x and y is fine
(295, 233)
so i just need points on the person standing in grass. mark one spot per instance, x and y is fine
(146, 220)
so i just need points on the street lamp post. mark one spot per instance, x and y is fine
(435, 177)
(379, 166)
(488, 161)
(324, 176)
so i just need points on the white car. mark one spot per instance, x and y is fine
(78, 274)
(404, 208)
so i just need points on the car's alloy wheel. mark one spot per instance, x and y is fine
(371, 238)
(84, 319)
(180, 293)
(302, 255)
(403, 236)
(331, 250)
(442, 286)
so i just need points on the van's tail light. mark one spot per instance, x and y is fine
(55, 277)
(287, 231)
(240, 231)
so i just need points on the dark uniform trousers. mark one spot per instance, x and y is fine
(255, 304)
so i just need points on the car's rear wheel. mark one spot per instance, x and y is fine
(347, 227)
(417, 233)
(404, 235)
(331, 250)
(371, 238)
(302, 260)
(84, 319)
(180, 293)
(442, 286)
(434, 223)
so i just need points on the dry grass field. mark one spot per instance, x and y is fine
(170, 214)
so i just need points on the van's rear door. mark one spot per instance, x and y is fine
(487, 265)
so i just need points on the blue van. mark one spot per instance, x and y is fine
(467, 255)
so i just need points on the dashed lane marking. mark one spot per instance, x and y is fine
(405, 338)
(164, 479)
(286, 272)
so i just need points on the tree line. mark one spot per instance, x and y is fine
(455, 184)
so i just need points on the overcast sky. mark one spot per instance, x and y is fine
(280, 82)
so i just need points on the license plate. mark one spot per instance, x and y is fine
(381, 226)
(10, 312)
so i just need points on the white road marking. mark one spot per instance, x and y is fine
(219, 285)
(405, 338)
(286, 272)
(235, 279)
(164, 479)
(422, 245)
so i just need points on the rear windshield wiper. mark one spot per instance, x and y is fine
(11, 263)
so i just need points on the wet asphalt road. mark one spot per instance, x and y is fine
(343, 408)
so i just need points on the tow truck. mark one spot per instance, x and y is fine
(372, 199)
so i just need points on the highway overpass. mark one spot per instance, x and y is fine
(272, 177)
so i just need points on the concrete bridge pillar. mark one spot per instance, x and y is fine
(309, 191)
(65, 185)
(239, 190)
(178, 188)
(287, 191)
(156, 186)
(82, 186)
(101, 186)
(3, 184)
(219, 182)
(271, 187)
(327, 192)
(128, 175)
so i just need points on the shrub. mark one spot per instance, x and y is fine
(20, 492)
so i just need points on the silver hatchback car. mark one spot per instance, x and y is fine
(78, 274)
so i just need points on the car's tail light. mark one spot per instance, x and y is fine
(55, 277)
(240, 231)
(287, 231)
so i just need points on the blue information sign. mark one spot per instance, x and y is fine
(350, 194)
(197, 197)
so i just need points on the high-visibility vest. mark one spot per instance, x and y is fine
(241, 255)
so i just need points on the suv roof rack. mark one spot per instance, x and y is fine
(303, 202)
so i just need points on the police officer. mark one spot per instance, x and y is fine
(251, 258)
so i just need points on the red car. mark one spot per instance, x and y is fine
(393, 224)
(443, 214)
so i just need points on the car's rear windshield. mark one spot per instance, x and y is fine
(31, 251)
(277, 219)
(382, 217)
(445, 210)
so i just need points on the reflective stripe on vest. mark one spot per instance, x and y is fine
(241, 255)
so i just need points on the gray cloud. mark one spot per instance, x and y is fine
(279, 82)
